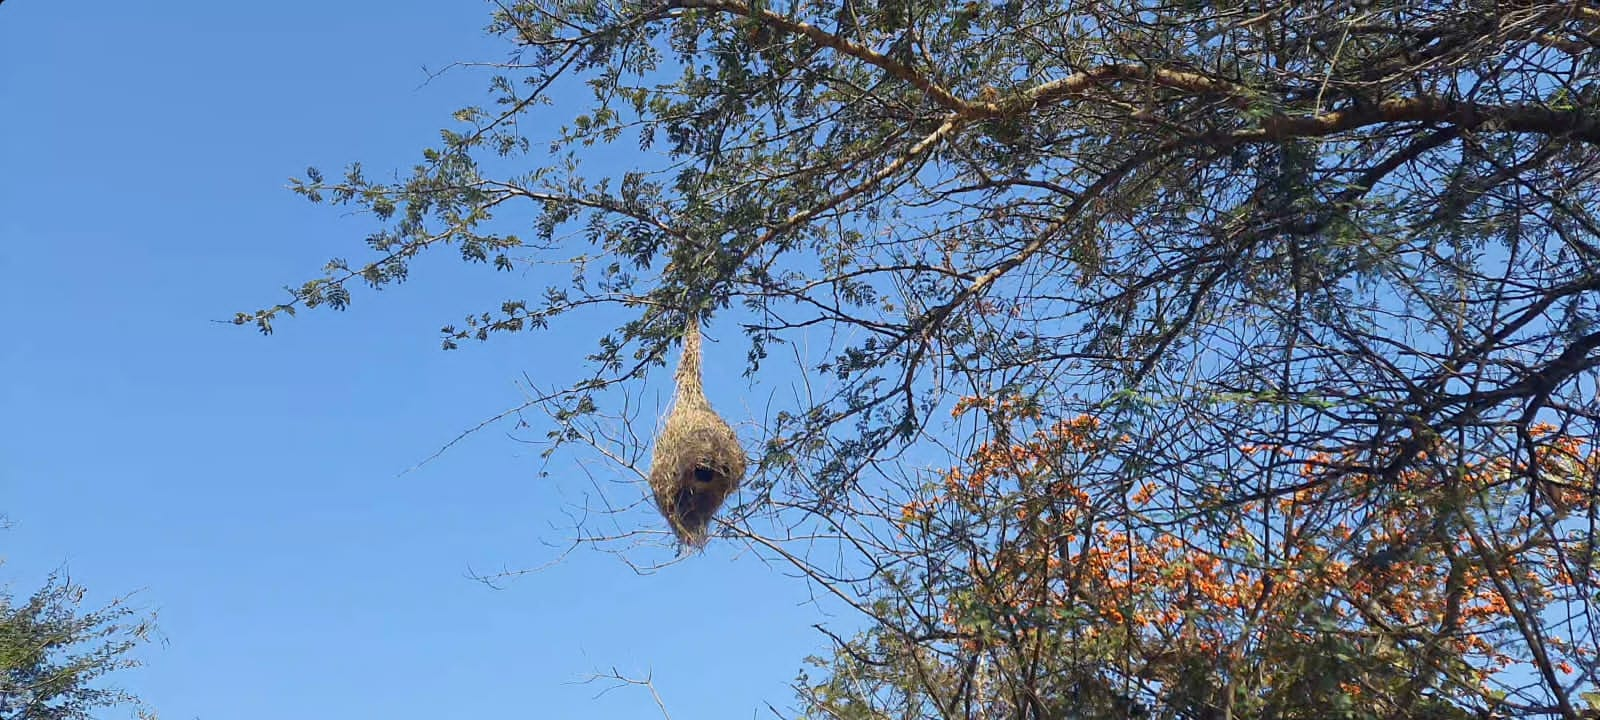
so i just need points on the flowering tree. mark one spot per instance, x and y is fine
(1038, 584)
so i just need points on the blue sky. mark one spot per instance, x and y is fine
(249, 487)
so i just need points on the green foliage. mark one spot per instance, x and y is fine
(1324, 229)
(54, 656)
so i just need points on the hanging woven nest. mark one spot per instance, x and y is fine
(698, 462)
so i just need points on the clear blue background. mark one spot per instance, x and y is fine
(248, 486)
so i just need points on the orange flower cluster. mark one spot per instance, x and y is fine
(1352, 555)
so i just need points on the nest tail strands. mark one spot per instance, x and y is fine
(698, 462)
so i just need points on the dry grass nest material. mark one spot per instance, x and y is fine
(698, 461)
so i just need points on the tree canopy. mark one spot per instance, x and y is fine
(1190, 359)
(54, 657)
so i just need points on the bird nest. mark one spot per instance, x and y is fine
(698, 461)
